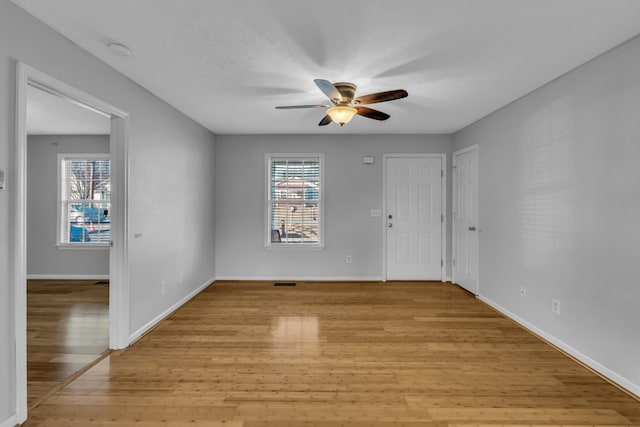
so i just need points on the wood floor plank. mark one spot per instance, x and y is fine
(415, 354)
(67, 329)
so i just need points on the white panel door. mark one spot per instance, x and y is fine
(465, 220)
(414, 218)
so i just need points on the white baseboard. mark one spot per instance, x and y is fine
(67, 277)
(596, 366)
(137, 334)
(305, 279)
(10, 422)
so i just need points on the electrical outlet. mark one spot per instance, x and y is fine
(523, 292)
(349, 259)
(163, 287)
(555, 306)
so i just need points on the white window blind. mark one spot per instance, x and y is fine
(85, 200)
(295, 200)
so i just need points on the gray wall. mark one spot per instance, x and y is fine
(351, 191)
(43, 257)
(560, 209)
(171, 173)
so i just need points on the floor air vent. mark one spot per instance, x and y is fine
(284, 284)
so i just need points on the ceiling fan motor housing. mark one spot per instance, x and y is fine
(347, 90)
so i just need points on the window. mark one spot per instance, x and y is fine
(294, 196)
(84, 200)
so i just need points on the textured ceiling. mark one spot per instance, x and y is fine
(227, 64)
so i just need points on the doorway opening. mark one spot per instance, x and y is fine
(28, 78)
(68, 234)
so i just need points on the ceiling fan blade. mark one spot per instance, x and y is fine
(291, 107)
(371, 113)
(325, 121)
(329, 89)
(389, 95)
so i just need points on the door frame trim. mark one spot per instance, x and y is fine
(454, 193)
(118, 265)
(443, 207)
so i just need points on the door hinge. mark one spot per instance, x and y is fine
(442, 173)
(441, 263)
(441, 217)
(454, 262)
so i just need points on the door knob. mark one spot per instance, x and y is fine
(390, 216)
(389, 225)
(472, 228)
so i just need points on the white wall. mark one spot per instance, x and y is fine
(560, 210)
(351, 191)
(44, 259)
(171, 177)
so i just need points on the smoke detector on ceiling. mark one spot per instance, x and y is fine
(119, 49)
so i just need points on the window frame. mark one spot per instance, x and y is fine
(61, 203)
(269, 158)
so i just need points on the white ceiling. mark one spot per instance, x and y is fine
(227, 64)
(49, 114)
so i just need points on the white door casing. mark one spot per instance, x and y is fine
(413, 217)
(465, 219)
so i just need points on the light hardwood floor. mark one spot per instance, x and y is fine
(67, 329)
(337, 354)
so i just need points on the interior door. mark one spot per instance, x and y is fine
(465, 220)
(414, 218)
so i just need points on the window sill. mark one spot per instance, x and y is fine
(82, 246)
(293, 247)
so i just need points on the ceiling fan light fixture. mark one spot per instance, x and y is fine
(341, 114)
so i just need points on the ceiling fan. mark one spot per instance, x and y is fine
(345, 105)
